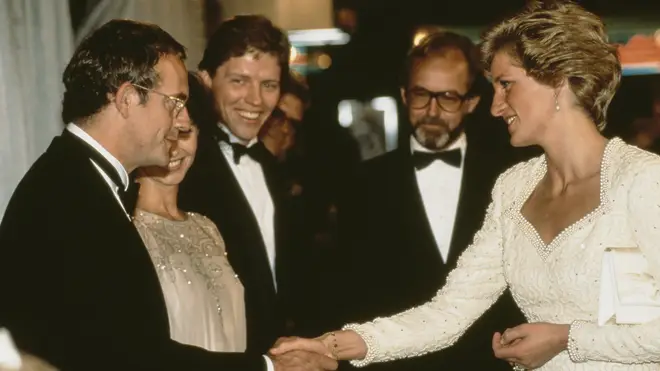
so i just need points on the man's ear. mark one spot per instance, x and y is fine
(126, 96)
(404, 99)
(206, 78)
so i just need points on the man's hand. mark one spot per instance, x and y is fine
(298, 360)
(288, 344)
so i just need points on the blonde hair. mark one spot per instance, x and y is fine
(557, 41)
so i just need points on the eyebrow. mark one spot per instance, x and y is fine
(418, 87)
(247, 77)
(236, 74)
(494, 79)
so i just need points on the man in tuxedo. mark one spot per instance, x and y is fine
(235, 182)
(410, 213)
(77, 284)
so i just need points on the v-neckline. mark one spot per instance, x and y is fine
(545, 249)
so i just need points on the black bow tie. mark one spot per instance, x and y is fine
(424, 159)
(255, 151)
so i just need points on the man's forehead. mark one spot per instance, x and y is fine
(172, 73)
(439, 70)
(266, 65)
(448, 60)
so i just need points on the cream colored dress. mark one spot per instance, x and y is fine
(555, 283)
(204, 296)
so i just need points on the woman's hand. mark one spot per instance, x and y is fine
(531, 345)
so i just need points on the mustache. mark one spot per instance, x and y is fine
(431, 120)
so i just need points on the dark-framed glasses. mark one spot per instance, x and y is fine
(448, 101)
(175, 104)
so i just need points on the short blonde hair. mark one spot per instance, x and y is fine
(557, 41)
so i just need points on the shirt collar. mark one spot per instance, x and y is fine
(233, 138)
(80, 133)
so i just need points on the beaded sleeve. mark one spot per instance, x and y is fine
(629, 344)
(472, 287)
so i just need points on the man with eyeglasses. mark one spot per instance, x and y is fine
(77, 285)
(410, 213)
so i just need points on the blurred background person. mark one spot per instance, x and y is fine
(278, 135)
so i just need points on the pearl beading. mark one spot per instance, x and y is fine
(530, 231)
(368, 339)
(573, 348)
(200, 254)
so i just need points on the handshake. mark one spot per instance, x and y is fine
(319, 354)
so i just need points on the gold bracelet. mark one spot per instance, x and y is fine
(334, 345)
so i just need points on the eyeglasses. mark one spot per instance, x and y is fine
(448, 101)
(176, 104)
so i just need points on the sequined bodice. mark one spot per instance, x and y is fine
(204, 296)
(556, 283)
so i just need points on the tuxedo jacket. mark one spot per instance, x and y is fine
(77, 284)
(392, 259)
(211, 189)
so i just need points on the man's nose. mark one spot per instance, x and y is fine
(253, 96)
(433, 108)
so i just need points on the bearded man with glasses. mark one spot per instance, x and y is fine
(410, 213)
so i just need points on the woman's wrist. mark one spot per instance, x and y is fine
(563, 336)
(345, 345)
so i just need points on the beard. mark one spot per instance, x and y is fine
(435, 133)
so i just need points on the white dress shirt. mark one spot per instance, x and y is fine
(80, 133)
(440, 187)
(250, 176)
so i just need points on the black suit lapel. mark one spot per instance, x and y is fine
(100, 204)
(281, 217)
(472, 201)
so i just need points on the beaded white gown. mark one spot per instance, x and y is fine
(555, 283)
(203, 295)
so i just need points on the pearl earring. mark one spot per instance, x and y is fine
(557, 104)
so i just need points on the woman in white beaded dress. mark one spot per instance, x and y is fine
(551, 218)
(204, 297)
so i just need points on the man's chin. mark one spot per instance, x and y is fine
(433, 142)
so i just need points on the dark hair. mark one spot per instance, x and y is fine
(200, 103)
(277, 117)
(120, 51)
(296, 86)
(440, 42)
(243, 35)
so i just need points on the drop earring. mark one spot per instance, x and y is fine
(557, 102)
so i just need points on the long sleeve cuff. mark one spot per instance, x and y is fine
(368, 339)
(269, 364)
